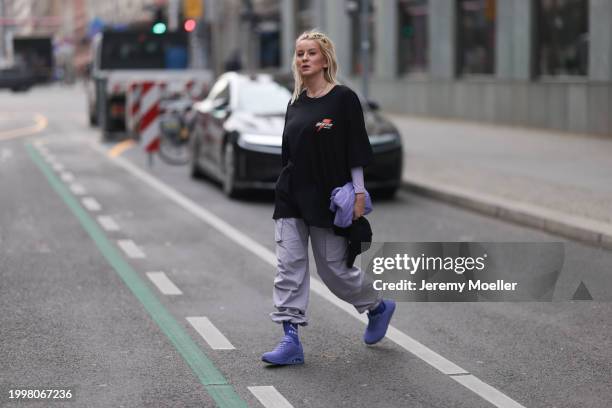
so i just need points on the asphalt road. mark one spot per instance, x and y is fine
(80, 311)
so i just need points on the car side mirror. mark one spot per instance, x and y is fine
(373, 105)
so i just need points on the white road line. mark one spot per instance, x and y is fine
(270, 397)
(77, 189)
(163, 283)
(58, 167)
(130, 248)
(403, 340)
(486, 391)
(91, 204)
(215, 339)
(67, 177)
(108, 223)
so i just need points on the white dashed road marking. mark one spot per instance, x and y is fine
(108, 223)
(67, 177)
(91, 204)
(215, 339)
(130, 248)
(58, 167)
(270, 397)
(5, 154)
(163, 283)
(77, 189)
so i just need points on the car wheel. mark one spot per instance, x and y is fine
(196, 171)
(229, 171)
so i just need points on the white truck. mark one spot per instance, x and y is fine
(122, 57)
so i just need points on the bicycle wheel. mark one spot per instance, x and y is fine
(174, 150)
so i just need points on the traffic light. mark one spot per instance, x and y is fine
(159, 28)
(190, 25)
(159, 22)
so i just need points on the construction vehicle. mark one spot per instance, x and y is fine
(121, 58)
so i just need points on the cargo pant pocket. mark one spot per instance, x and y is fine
(278, 230)
(336, 247)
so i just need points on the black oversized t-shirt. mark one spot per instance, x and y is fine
(323, 139)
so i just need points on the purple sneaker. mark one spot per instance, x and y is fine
(287, 352)
(379, 322)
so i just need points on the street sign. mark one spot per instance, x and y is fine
(193, 9)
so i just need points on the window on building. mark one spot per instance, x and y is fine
(562, 37)
(476, 36)
(413, 39)
(269, 44)
(354, 10)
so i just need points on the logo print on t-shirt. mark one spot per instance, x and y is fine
(324, 124)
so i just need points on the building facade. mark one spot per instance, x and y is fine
(123, 12)
(64, 21)
(532, 63)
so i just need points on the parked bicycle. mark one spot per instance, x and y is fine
(176, 123)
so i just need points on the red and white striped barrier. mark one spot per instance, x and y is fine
(148, 125)
(142, 104)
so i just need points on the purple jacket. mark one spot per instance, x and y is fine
(342, 202)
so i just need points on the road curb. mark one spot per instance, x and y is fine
(556, 222)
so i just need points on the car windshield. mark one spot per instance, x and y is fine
(263, 98)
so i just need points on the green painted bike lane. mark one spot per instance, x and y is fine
(211, 378)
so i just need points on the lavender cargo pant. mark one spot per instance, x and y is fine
(292, 282)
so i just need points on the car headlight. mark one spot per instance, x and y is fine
(263, 140)
(384, 138)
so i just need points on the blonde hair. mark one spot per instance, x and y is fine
(329, 52)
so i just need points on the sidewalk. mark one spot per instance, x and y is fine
(558, 182)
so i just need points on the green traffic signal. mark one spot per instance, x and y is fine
(159, 28)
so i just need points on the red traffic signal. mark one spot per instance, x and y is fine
(189, 25)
